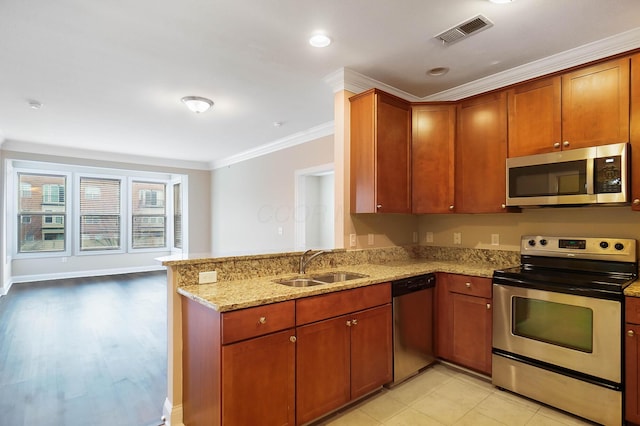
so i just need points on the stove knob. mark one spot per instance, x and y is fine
(543, 242)
(619, 246)
(532, 243)
(604, 244)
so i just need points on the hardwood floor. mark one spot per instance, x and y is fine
(85, 351)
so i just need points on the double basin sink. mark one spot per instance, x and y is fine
(326, 278)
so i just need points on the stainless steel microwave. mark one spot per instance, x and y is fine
(595, 175)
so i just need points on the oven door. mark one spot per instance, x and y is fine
(578, 333)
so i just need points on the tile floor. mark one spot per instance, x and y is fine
(442, 395)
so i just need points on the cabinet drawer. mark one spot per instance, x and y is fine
(330, 305)
(252, 322)
(632, 310)
(473, 286)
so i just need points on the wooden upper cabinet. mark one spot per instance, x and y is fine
(433, 158)
(481, 153)
(380, 153)
(583, 108)
(595, 105)
(634, 137)
(535, 117)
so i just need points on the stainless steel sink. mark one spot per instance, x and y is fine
(327, 278)
(299, 282)
(334, 277)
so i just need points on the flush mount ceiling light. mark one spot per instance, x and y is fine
(197, 104)
(319, 40)
(438, 71)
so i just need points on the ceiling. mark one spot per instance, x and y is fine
(110, 74)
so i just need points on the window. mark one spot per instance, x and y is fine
(177, 216)
(100, 218)
(148, 215)
(39, 230)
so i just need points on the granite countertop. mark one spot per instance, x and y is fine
(633, 290)
(231, 295)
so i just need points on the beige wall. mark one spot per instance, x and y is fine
(255, 199)
(476, 230)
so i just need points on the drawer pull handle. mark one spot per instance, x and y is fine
(468, 285)
(488, 306)
(348, 323)
(293, 339)
(630, 333)
(565, 144)
(636, 202)
(556, 145)
(262, 320)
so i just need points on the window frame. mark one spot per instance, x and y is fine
(168, 238)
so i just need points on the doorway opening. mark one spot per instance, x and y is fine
(314, 213)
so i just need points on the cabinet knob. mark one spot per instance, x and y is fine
(451, 207)
(565, 144)
(630, 333)
(556, 145)
(488, 306)
(636, 202)
(354, 322)
(293, 339)
(348, 323)
(504, 206)
(262, 320)
(468, 285)
(378, 206)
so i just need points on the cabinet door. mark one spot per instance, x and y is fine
(481, 155)
(635, 131)
(535, 118)
(371, 350)
(632, 395)
(258, 381)
(380, 153)
(322, 367)
(433, 158)
(595, 105)
(471, 331)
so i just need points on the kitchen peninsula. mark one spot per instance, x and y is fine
(217, 329)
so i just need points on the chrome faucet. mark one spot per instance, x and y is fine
(303, 262)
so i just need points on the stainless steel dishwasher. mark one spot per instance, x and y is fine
(412, 325)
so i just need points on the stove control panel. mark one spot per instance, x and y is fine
(611, 249)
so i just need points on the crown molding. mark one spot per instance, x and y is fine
(600, 49)
(353, 81)
(63, 151)
(299, 138)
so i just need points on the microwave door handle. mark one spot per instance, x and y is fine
(590, 189)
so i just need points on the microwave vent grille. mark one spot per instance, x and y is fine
(465, 29)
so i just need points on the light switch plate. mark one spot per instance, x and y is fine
(429, 237)
(353, 240)
(457, 238)
(370, 239)
(495, 239)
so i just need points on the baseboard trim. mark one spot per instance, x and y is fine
(82, 274)
(172, 414)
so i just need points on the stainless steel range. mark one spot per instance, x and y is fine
(558, 321)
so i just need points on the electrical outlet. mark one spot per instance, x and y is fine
(208, 277)
(495, 239)
(429, 237)
(457, 238)
(353, 241)
(370, 239)
(415, 237)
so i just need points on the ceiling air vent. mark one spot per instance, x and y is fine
(465, 29)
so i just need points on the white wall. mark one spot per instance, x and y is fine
(53, 267)
(319, 211)
(253, 202)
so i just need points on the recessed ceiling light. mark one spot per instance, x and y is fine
(33, 104)
(319, 40)
(438, 71)
(197, 104)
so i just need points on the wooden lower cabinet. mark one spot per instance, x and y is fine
(258, 381)
(632, 362)
(340, 359)
(464, 321)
